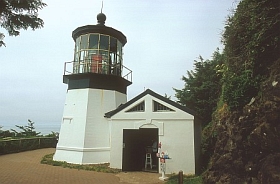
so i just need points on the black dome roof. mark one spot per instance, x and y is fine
(99, 28)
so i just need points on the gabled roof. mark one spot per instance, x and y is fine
(149, 92)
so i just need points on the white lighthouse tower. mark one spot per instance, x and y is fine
(97, 83)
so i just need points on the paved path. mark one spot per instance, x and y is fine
(25, 168)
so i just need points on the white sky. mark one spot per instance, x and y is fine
(164, 38)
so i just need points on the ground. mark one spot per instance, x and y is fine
(139, 177)
(25, 167)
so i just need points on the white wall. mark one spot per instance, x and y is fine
(84, 134)
(176, 132)
(178, 141)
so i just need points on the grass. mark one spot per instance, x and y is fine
(187, 179)
(48, 159)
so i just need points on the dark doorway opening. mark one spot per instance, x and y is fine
(135, 143)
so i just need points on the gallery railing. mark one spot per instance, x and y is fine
(91, 66)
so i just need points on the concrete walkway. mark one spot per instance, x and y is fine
(25, 168)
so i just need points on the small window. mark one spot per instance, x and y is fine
(78, 42)
(113, 44)
(138, 108)
(84, 41)
(160, 108)
(93, 41)
(104, 42)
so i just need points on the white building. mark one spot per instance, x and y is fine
(100, 126)
(148, 117)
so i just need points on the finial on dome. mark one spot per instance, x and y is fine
(101, 17)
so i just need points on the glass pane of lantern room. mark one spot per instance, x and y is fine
(76, 64)
(113, 50)
(78, 42)
(113, 44)
(105, 62)
(119, 48)
(77, 49)
(104, 42)
(84, 41)
(93, 41)
(119, 55)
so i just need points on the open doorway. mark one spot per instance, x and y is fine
(135, 144)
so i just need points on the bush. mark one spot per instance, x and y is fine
(239, 89)
(48, 159)
(26, 144)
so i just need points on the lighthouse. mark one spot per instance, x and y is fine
(97, 83)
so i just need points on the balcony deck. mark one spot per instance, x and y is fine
(89, 66)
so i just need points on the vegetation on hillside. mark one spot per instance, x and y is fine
(241, 142)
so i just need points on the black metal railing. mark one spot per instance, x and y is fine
(92, 66)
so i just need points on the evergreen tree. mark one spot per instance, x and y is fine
(202, 86)
(19, 14)
(27, 130)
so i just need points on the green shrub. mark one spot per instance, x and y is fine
(48, 159)
(239, 89)
(26, 144)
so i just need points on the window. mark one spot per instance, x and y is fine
(93, 41)
(104, 42)
(138, 108)
(84, 42)
(113, 44)
(160, 108)
(78, 42)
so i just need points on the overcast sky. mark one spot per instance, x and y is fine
(164, 38)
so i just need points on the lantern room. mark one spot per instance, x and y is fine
(98, 59)
(97, 53)
(99, 50)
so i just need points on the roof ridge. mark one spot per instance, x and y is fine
(154, 94)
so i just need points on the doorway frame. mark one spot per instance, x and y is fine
(133, 151)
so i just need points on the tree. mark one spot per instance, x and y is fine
(19, 14)
(27, 130)
(166, 96)
(202, 87)
(1, 39)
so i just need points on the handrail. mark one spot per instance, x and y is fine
(29, 138)
(90, 66)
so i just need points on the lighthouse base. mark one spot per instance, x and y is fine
(82, 155)
(84, 136)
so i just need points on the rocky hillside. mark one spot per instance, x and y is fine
(238, 95)
(247, 148)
